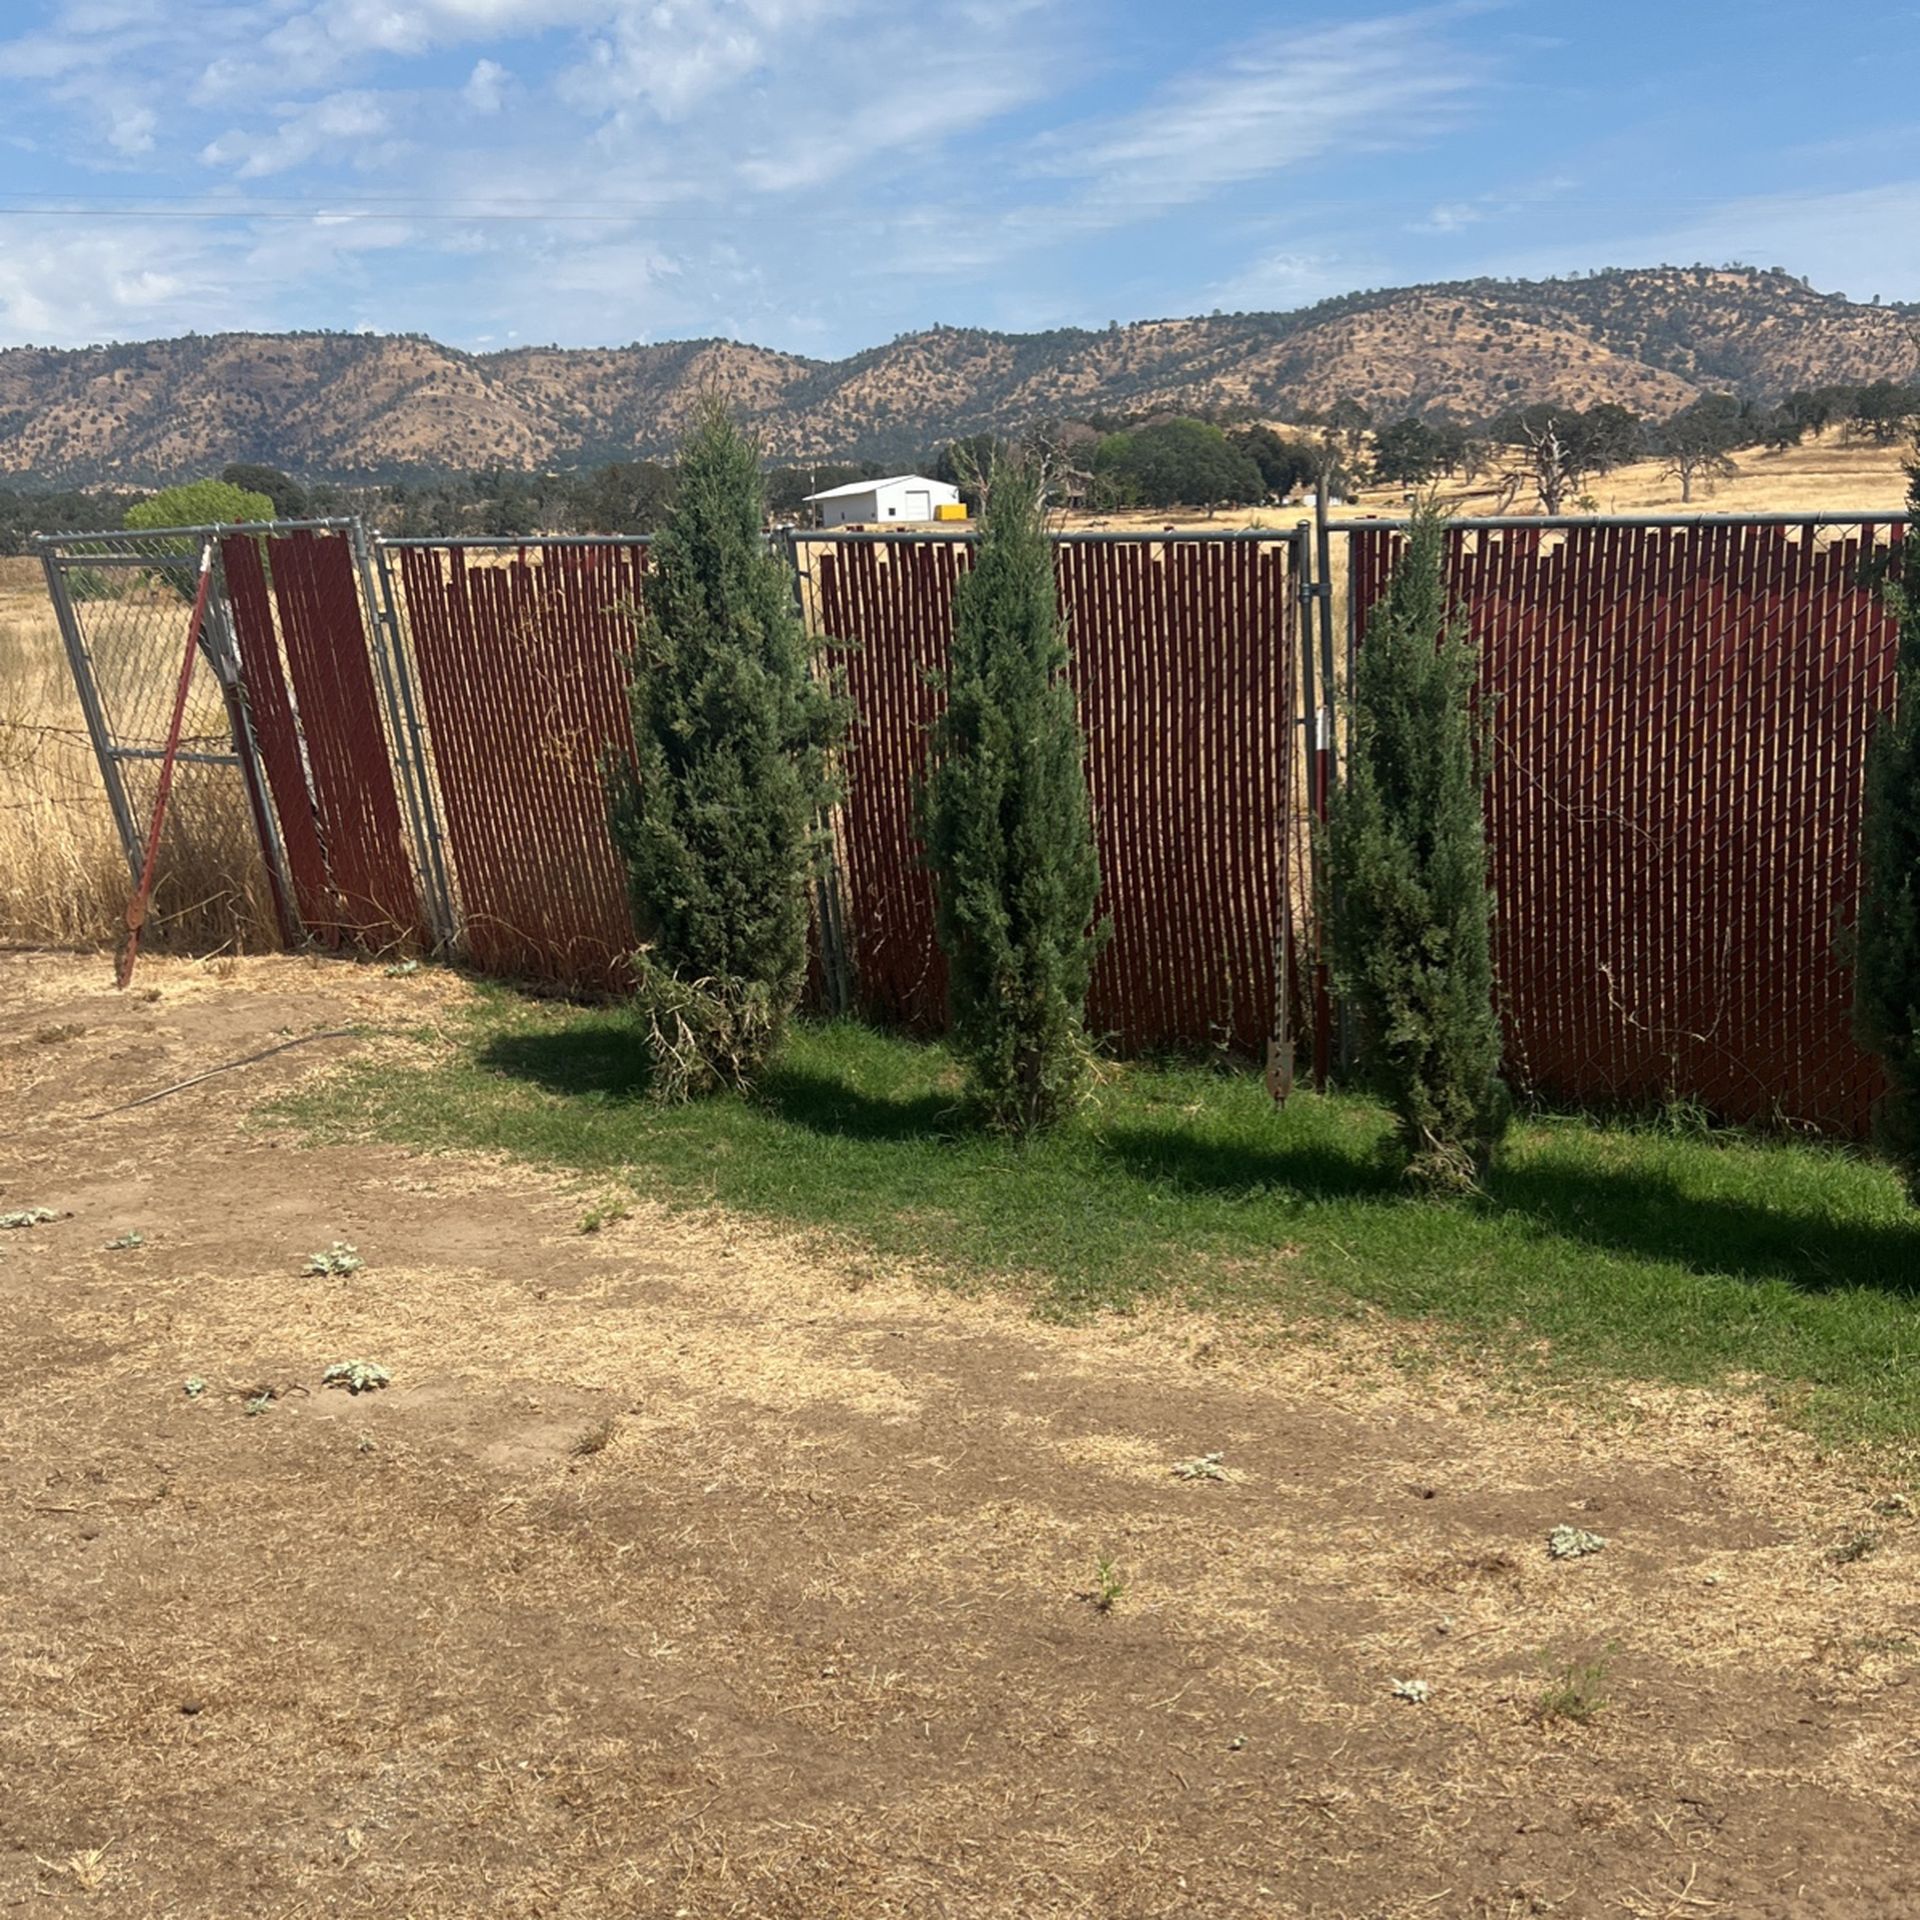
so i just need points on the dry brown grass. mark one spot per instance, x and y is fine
(63, 876)
(1832, 472)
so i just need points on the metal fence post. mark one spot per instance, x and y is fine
(829, 900)
(87, 687)
(403, 724)
(1313, 594)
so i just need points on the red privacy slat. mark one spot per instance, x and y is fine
(522, 669)
(328, 761)
(1182, 659)
(1679, 718)
(277, 734)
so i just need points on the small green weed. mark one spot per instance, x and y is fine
(1108, 1586)
(260, 1402)
(597, 1438)
(604, 1214)
(336, 1261)
(1205, 1466)
(124, 1242)
(1578, 1692)
(1573, 1543)
(28, 1217)
(357, 1376)
(193, 1386)
(1860, 1547)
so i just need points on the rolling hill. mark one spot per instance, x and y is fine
(353, 405)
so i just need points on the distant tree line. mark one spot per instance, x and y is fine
(1542, 455)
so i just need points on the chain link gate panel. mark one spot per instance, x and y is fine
(286, 795)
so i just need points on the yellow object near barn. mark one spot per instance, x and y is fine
(950, 510)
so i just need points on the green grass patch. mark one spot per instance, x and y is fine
(1601, 1251)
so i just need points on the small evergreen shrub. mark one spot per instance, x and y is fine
(1887, 941)
(1409, 913)
(1007, 830)
(717, 815)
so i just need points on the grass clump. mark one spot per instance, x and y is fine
(1109, 1586)
(1577, 1693)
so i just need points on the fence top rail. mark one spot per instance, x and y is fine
(1080, 537)
(511, 543)
(1544, 522)
(121, 535)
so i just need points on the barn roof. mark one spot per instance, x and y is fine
(869, 486)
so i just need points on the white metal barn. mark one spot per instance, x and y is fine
(907, 496)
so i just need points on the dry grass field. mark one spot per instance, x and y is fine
(687, 1570)
(1830, 473)
(63, 875)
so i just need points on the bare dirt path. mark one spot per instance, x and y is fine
(681, 1573)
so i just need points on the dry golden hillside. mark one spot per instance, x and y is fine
(347, 404)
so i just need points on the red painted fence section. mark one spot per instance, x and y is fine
(1182, 660)
(522, 665)
(1679, 719)
(303, 648)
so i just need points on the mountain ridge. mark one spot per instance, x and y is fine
(340, 405)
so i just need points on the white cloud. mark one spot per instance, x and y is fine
(668, 56)
(1451, 216)
(1291, 277)
(111, 279)
(1277, 102)
(130, 130)
(486, 86)
(910, 92)
(342, 126)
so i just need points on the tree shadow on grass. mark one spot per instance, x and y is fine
(584, 1062)
(598, 1062)
(1174, 1156)
(1645, 1213)
(825, 1104)
(1634, 1211)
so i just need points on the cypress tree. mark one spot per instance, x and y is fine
(1887, 942)
(1409, 911)
(716, 817)
(1005, 821)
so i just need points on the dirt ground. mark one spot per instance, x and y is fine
(681, 1572)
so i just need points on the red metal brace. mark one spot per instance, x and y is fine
(143, 893)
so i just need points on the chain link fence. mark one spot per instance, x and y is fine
(95, 662)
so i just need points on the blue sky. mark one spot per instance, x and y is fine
(820, 175)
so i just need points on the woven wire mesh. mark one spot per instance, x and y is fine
(63, 871)
(131, 597)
